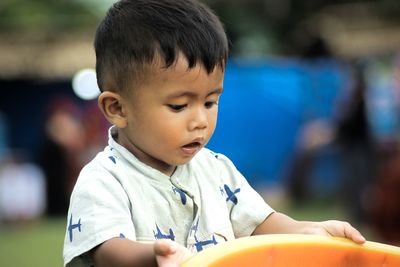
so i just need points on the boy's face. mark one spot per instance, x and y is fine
(172, 115)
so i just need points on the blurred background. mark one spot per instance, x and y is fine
(310, 113)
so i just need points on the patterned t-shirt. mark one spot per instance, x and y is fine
(205, 202)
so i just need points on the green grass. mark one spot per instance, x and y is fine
(315, 211)
(32, 244)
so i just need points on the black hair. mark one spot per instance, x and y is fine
(136, 32)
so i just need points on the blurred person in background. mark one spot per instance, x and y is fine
(346, 135)
(356, 147)
(60, 155)
(316, 133)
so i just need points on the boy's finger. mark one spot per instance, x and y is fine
(354, 234)
(164, 247)
(343, 229)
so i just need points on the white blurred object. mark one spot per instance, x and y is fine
(84, 84)
(22, 191)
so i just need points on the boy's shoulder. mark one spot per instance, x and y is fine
(99, 167)
(96, 163)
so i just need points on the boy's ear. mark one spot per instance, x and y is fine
(111, 104)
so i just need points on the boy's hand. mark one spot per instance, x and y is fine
(169, 253)
(279, 223)
(334, 228)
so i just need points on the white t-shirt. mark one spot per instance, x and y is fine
(205, 202)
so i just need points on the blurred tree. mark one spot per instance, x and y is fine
(45, 16)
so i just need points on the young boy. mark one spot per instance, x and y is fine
(155, 195)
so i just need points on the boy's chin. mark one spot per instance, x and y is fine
(183, 161)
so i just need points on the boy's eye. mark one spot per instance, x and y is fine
(177, 107)
(210, 104)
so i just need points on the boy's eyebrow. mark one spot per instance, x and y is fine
(217, 91)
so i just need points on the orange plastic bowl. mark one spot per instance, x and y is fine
(296, 251)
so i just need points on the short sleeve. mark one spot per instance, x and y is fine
(247, 208)
(99, 210)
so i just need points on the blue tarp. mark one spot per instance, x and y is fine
(263, 106)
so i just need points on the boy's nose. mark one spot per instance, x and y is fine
(199, 119)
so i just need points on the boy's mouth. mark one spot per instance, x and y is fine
(191, 148)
